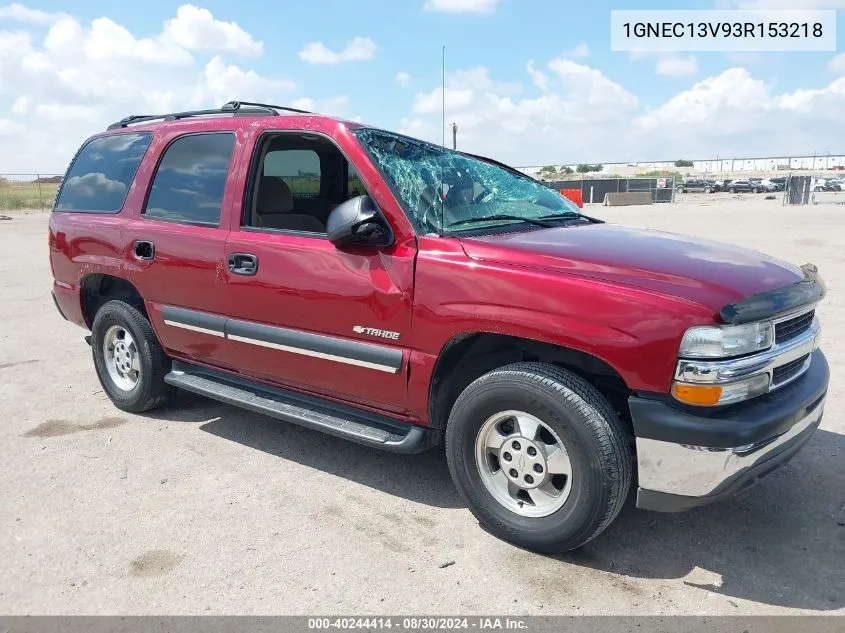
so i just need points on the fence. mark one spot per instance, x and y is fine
(593, 190)
(28, 192)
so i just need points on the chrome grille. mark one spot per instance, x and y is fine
(791, 328)
(786, 372)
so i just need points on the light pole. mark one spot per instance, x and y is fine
(454, 136)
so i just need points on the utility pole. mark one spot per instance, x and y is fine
(454, 135)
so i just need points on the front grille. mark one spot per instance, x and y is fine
(791, 328)
(788, 371)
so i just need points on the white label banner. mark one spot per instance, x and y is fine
(723, 30)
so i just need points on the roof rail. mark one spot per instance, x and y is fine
(237, 105)
(235, 108)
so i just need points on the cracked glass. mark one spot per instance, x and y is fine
(444, 191)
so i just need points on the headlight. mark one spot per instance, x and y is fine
(726, 341)
(704, 395)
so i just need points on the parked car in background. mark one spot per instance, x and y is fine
(779, 182)
(766, 185)
(744, 185)
(697, 185)
(827, 184)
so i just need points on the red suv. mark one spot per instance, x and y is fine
(396, 293)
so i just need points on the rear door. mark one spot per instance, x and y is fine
(309, 315)
(177, 242)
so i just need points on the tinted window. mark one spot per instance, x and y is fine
(101, 174)
(299, 168)
(188, 186)
(354, 184)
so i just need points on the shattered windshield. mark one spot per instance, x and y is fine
(445, 191)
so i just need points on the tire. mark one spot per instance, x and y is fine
(732, 190)
(149, 390)
(755, 190)
(708, 190)
(680, 190)
(583, 421)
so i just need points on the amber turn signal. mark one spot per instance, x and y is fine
(700, 395)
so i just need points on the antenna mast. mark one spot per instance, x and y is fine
(443, 95)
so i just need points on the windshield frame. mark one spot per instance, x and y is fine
(444, 230)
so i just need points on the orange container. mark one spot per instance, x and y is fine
(574, 195)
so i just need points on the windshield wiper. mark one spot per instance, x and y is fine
(500, 216)
(566, 215)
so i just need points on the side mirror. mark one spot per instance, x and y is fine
(357, 221)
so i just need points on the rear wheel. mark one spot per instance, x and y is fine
(130, 363)
(732, 190)
(680, 189)
(539, 456)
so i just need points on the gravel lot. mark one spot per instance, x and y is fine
(203, 508)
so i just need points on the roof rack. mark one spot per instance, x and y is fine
(235, 108)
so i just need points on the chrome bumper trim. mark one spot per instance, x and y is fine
(723, 371)
(695, 471)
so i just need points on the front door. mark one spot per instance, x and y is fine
(302, 312)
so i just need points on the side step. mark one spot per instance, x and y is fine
(352, 424)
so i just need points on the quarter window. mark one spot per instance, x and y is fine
(100, 176)
(191, 178)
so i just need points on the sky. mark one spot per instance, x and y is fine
(528, 82)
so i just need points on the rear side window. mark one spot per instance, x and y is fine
(100, 176)
(189, 183)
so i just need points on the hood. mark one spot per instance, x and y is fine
(706, 272)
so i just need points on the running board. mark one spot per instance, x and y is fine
(358, 426)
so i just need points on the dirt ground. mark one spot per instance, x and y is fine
(203, 508)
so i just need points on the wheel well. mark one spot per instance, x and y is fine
(98, 289)
(468, 357)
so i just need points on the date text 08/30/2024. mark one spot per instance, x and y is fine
(419, 623)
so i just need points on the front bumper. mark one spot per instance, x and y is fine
(689, 456)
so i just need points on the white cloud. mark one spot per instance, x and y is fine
(578, 114)
(462, 6)
(10, 128)
(196, 29)
(20, 13)
(733, 96)
(66, 112)
(330, 105)
(578, 107)
(359, 48)
(781, 4)
(108, 40)
(837, 64)
(668, 64)
(222, 82)
(403, 79)
(21, 105)
(538, 77)
(61, 86)
(735, 112)
(581, 50)
(672, 66)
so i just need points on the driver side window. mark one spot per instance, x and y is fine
(297, 181)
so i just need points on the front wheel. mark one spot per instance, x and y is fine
(539, 456)
(732, 190)
(708, 190)
(129, 360)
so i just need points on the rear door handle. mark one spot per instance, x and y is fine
(144, 249)
(243, 264)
